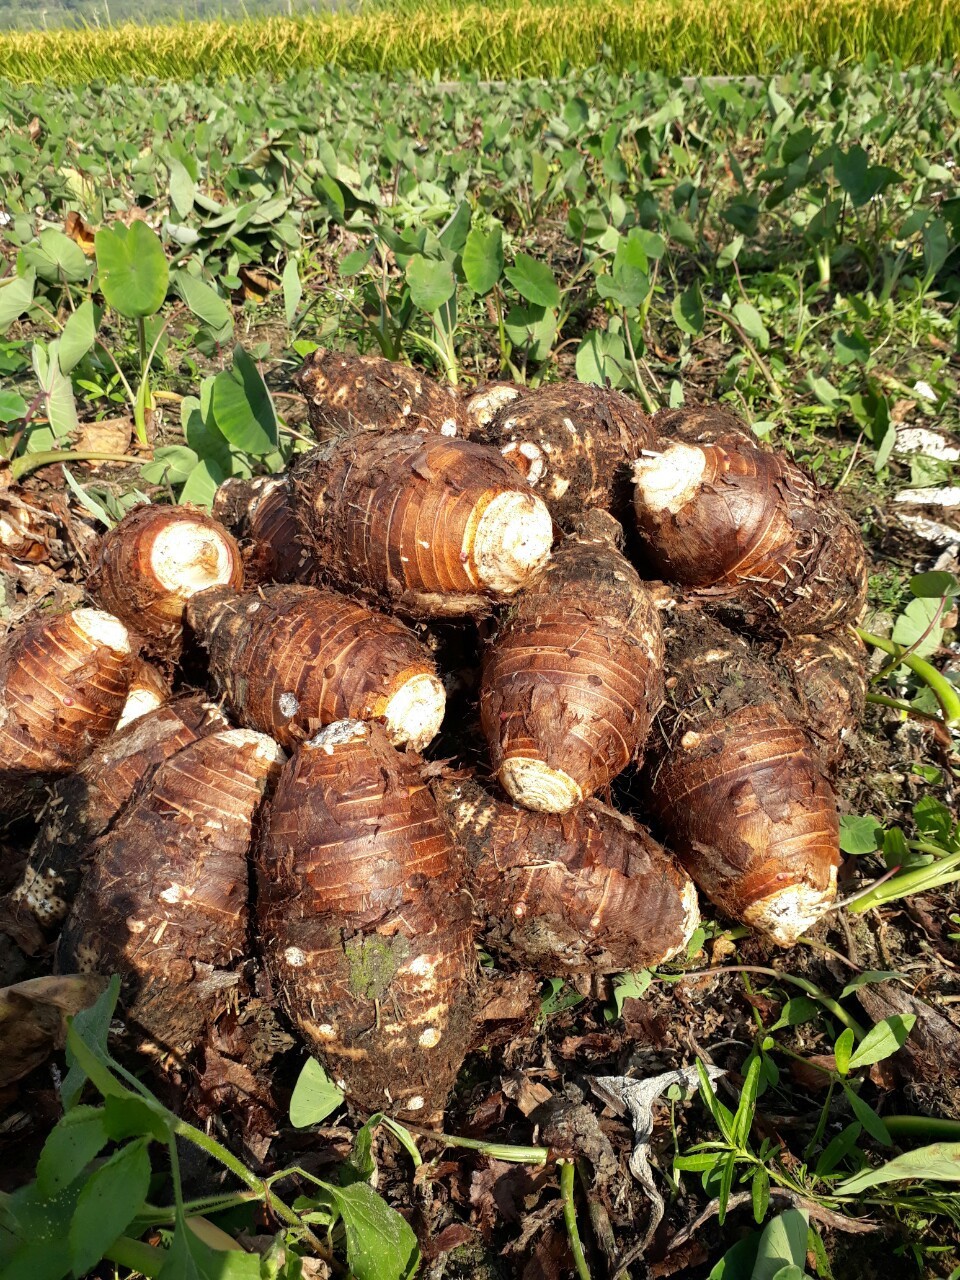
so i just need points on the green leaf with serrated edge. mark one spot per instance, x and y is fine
(16, 295)
(934, 585)
(870, 976)
(883, 1040)
(760, 1193)
(860, 834)
(108, 1203)
(89, 1029)
(243, 408)
(534, 281)
(843, 1049)
(78, 336)
(783, 1243)
(431, 283)
(132, 269)
(292, 290)
(939, 1162)
(75, 1140)
(482, 259)
(315, 1096)
(205, 303)
(380, 1243)
(867, 1117)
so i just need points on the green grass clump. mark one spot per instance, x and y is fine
(503, 39)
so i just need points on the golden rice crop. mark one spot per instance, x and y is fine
(505, 39)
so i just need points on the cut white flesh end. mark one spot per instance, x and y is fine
(186, 558)
(336, 734)
(787, 914)
(536, 786)
(414, 713)
(102, 628)
(266, 749)
(528, 458)
(483, 406)
(139, 702)
(512, 540)
(666, 482)
(691, 921)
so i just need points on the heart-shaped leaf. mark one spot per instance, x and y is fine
(132, 268)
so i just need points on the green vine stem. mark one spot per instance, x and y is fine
(931, 876)
(810, 988)
(943, 690)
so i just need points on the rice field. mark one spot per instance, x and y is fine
(504, 39)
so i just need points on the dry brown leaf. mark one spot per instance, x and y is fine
(257, 285)
(80, 232)
(111, 435)
(35, 129)
(33, 1018)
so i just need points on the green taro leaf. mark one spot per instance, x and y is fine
(183, 189)
(205, 303)
(201, 485)
(934, 585)
(57, 389)
(132, 268)
(533, 328)
(171, 464)
(381, 1244)
(55, 257)
(77, 1138)
(917, 621)
(483, 259)
(16, 295)
(243, 408)
(939, 1162)
(601, 358)
(292, 290)
(751, 322)
(109, 1201)
(79, 335)
(431, 282)
(12, 406)
(315, 1096)
(883, 1040)
(859, 834)
(534, 281)
(687, 310)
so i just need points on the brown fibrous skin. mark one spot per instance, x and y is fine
(584, 892)
(700, 424)
(164, 903)
(291, 659)
(574, 676)
(83, 806)
(63, 683)
(575, 444)
(736, 787)
(752, 533)
(349, 393)
(829, 674)
(399, 519)
(259, 513)
(364, 927)
(151, 563)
